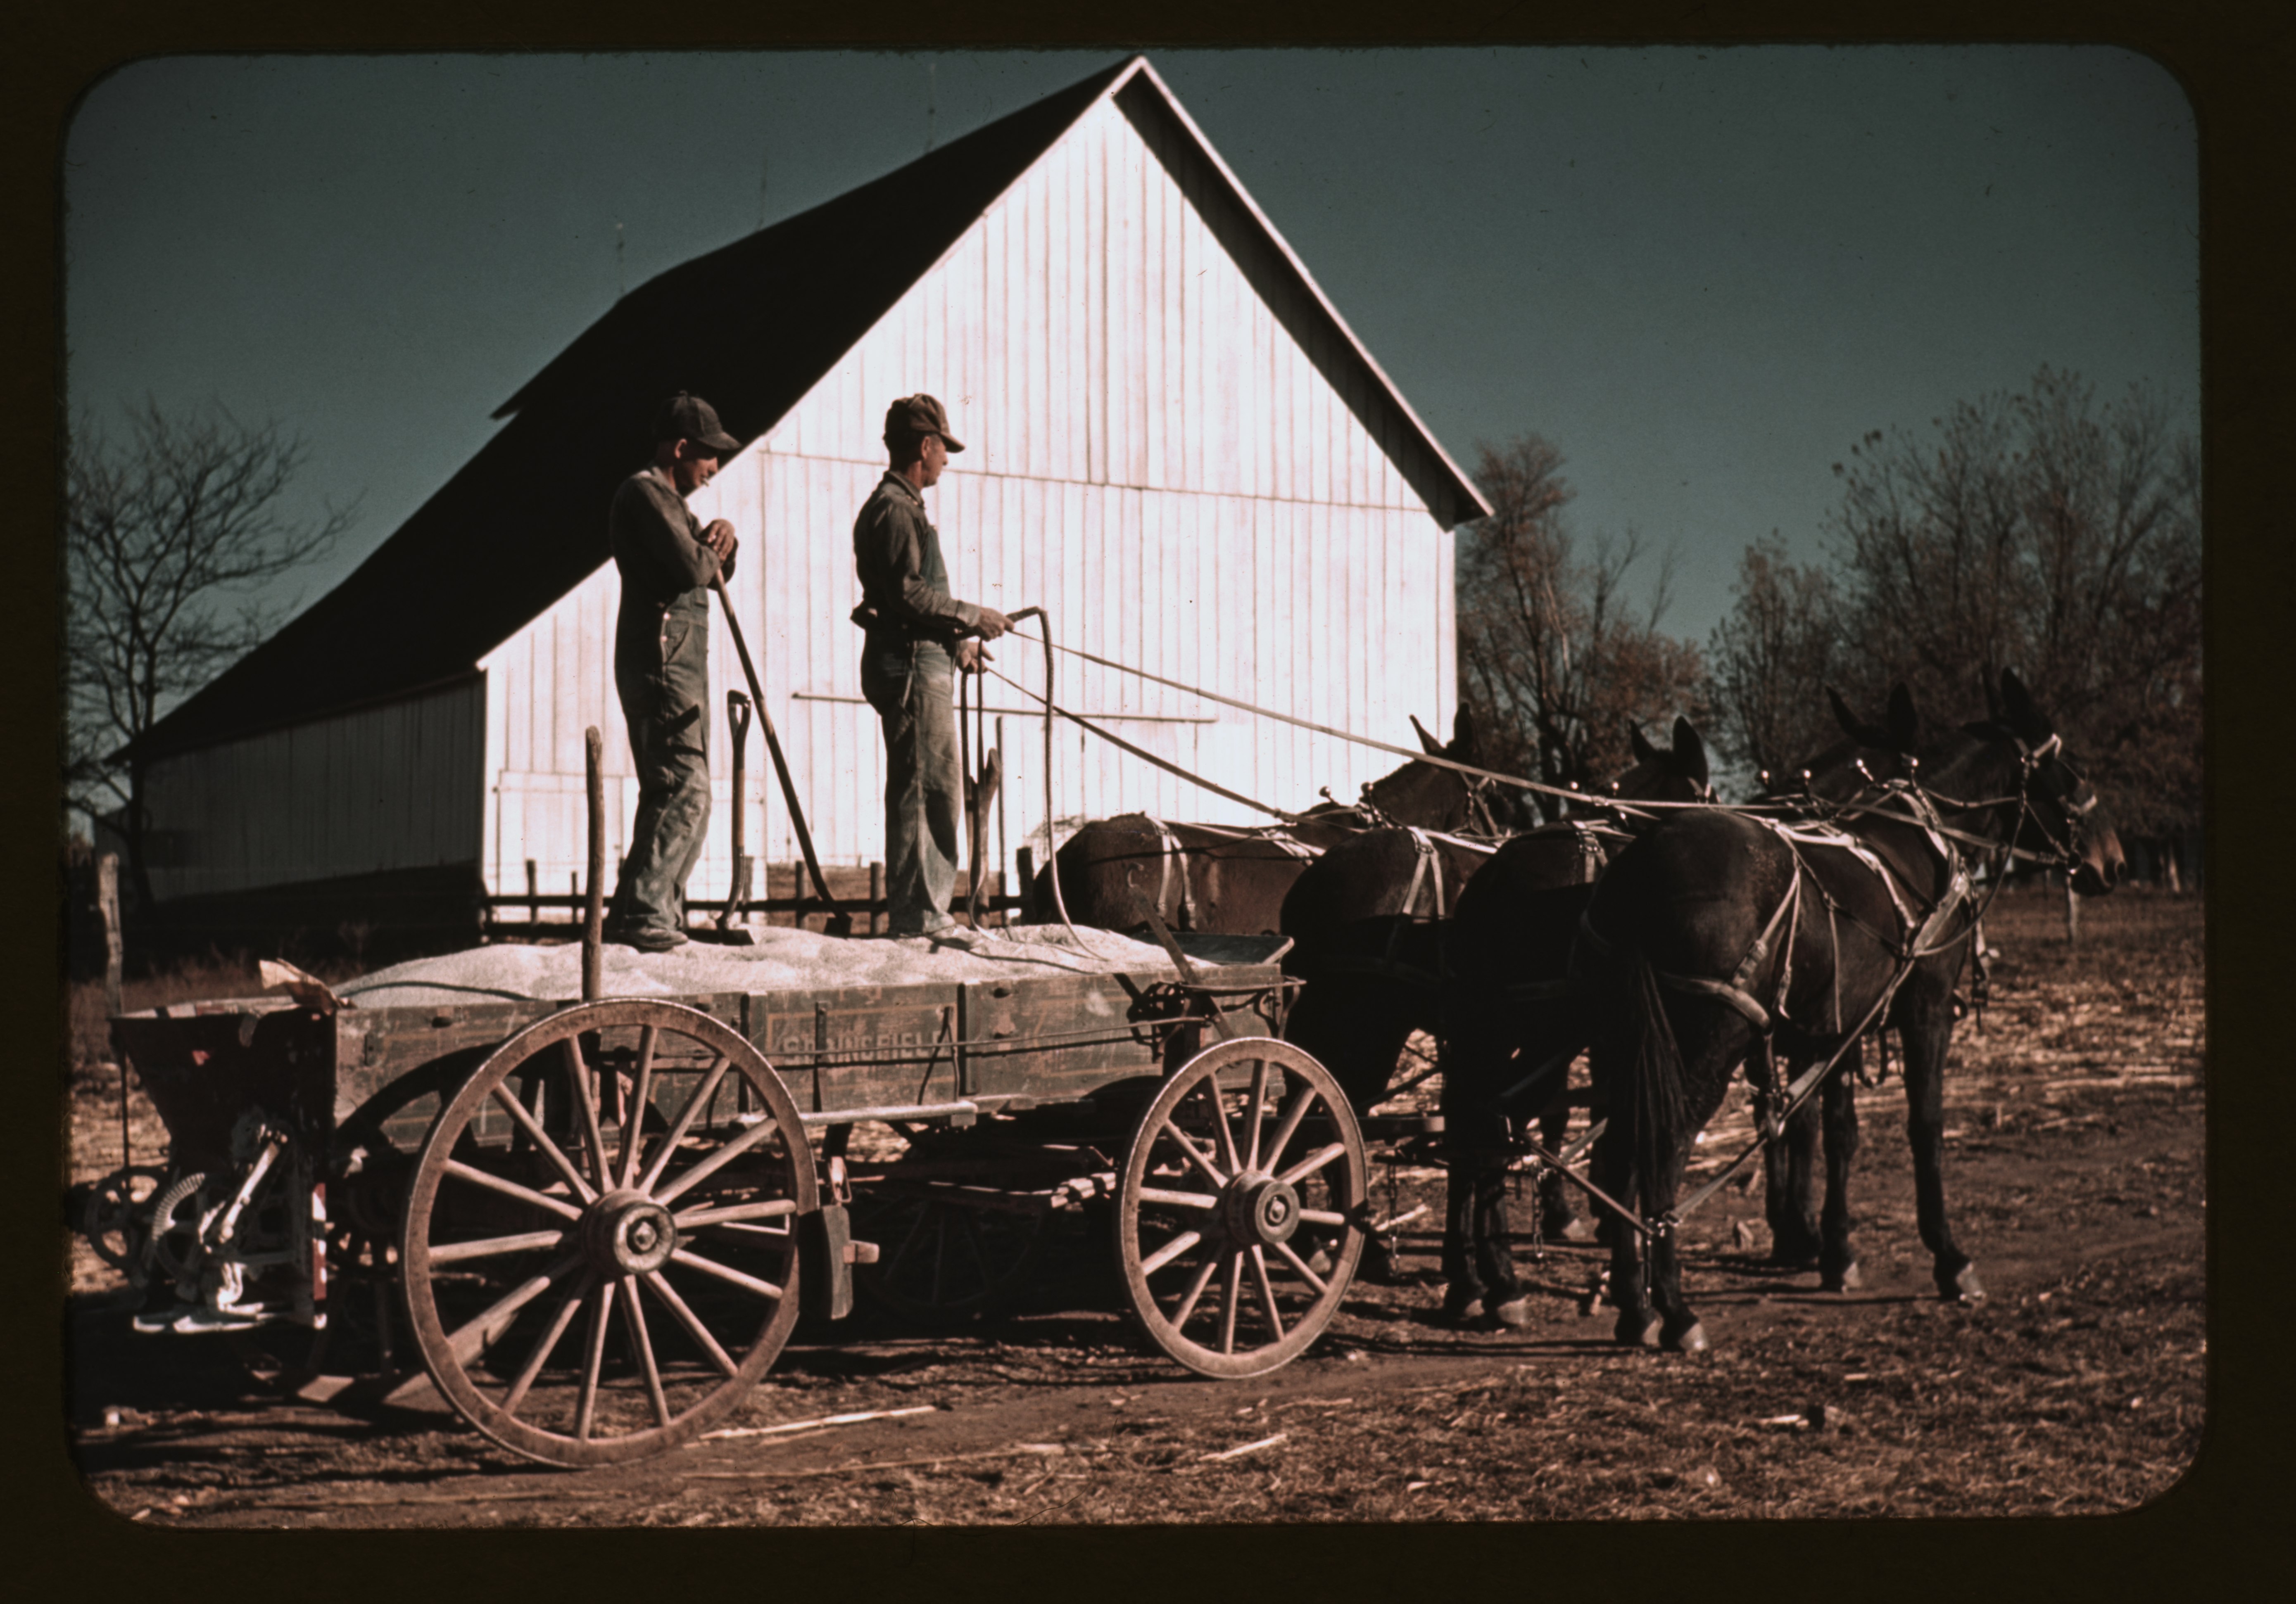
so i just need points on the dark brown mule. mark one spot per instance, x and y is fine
(1512, 1025)
(1220, 878)
(1715, 931)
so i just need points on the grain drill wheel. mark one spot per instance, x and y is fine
(1210, 1203)
(947, 1255)
(583, 1298)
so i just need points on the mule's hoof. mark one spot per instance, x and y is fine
(1377, 1265)
(1320, 1262)
(1466, 1314)
(1793, 1256)
(1578, 1228)
(1514, 1314)
(1690, 1341)
(1847, 1279)
(1635, 1331)
(1960, 1286)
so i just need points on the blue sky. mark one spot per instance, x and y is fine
(1702, 273)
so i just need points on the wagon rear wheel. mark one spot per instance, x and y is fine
(585, 1298)
(1216, 1216)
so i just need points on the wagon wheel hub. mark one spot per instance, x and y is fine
(628, 1233)
(1262, 1210)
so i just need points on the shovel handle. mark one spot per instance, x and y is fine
(773, 744)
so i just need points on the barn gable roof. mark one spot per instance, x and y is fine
(523, 523)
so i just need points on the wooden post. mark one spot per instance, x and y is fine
(593, 928)
(533, 894)
(107, 903)
(876, 896)
(1028, 860)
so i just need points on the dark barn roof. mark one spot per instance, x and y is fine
(524, 521)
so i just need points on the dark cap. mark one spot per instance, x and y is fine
(685, 417)
(913, 416)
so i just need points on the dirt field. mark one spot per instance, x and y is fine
(2075, 1142)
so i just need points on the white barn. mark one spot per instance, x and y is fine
(1175, 445)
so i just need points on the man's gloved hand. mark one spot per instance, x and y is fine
(971, 656)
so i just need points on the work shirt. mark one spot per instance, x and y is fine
(904, 581)
(666, 569)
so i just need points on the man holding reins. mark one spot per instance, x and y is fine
(667, 559)
(915, 639)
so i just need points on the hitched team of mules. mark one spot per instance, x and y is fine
(1674, 941)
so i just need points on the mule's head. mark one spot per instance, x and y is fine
(1868, 753)
(1432, 797)
(1678, 773)
(2061, 815)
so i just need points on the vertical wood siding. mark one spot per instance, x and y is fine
(393, 787)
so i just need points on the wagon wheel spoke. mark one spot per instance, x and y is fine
(469, 1339)
(1231, 1294)
(1170, 1251)
(1312, 1163)
(512, 1189)
(455, 1253)
(684, 1120)
(549, 1148)
(1330, 1219)
(585, 1098)
(634, 1114)
(1303, 1099)
(1259, 1114)
(1187, 1305)
(1299, 1266)
(601, 1314)
(685, 1316)
(1267, 1292)
(1187, 1145)
(717, 1160)
(1225, 1137)
(642, 1340)
(725, 1273)
(771, 1208)
(940, 1250)
(1178, 1199)
(546, 1345)
(971, 1234)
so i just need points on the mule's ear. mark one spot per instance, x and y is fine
(1427, 742)
(2017, 702)
(1689, 752)
(1905, 723)
(1992, 699)
(1843, 715)
(1643, 751)
(1462, 736)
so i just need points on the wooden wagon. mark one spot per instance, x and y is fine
(590, 1226)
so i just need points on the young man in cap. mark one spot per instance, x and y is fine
(912, 644)
(668, 560)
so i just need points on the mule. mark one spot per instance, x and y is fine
(1218, 878)
(1717, 931)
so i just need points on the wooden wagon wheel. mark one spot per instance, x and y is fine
(676, 1253)
(1210, 1206)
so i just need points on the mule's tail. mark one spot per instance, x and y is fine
(1642, 1066)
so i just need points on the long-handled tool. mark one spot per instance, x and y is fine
(840, 924)
(737, 887)
(982, 780)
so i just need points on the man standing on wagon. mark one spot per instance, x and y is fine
(913, 641)
(668, 560)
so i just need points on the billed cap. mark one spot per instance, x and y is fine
(918, 414)
(686, 417)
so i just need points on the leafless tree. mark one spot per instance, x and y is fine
(1770, 660)
(2040, 531)
(170, 533)
(1556, 660)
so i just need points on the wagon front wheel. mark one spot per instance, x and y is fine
(1247, 1161)
(585, 1285)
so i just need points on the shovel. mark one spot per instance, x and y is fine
(840, 924)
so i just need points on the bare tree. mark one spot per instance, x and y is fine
(1771, 658)
(168, 533)
(2043, 532)
(1555, 659)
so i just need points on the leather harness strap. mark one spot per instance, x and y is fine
(1172, 850)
